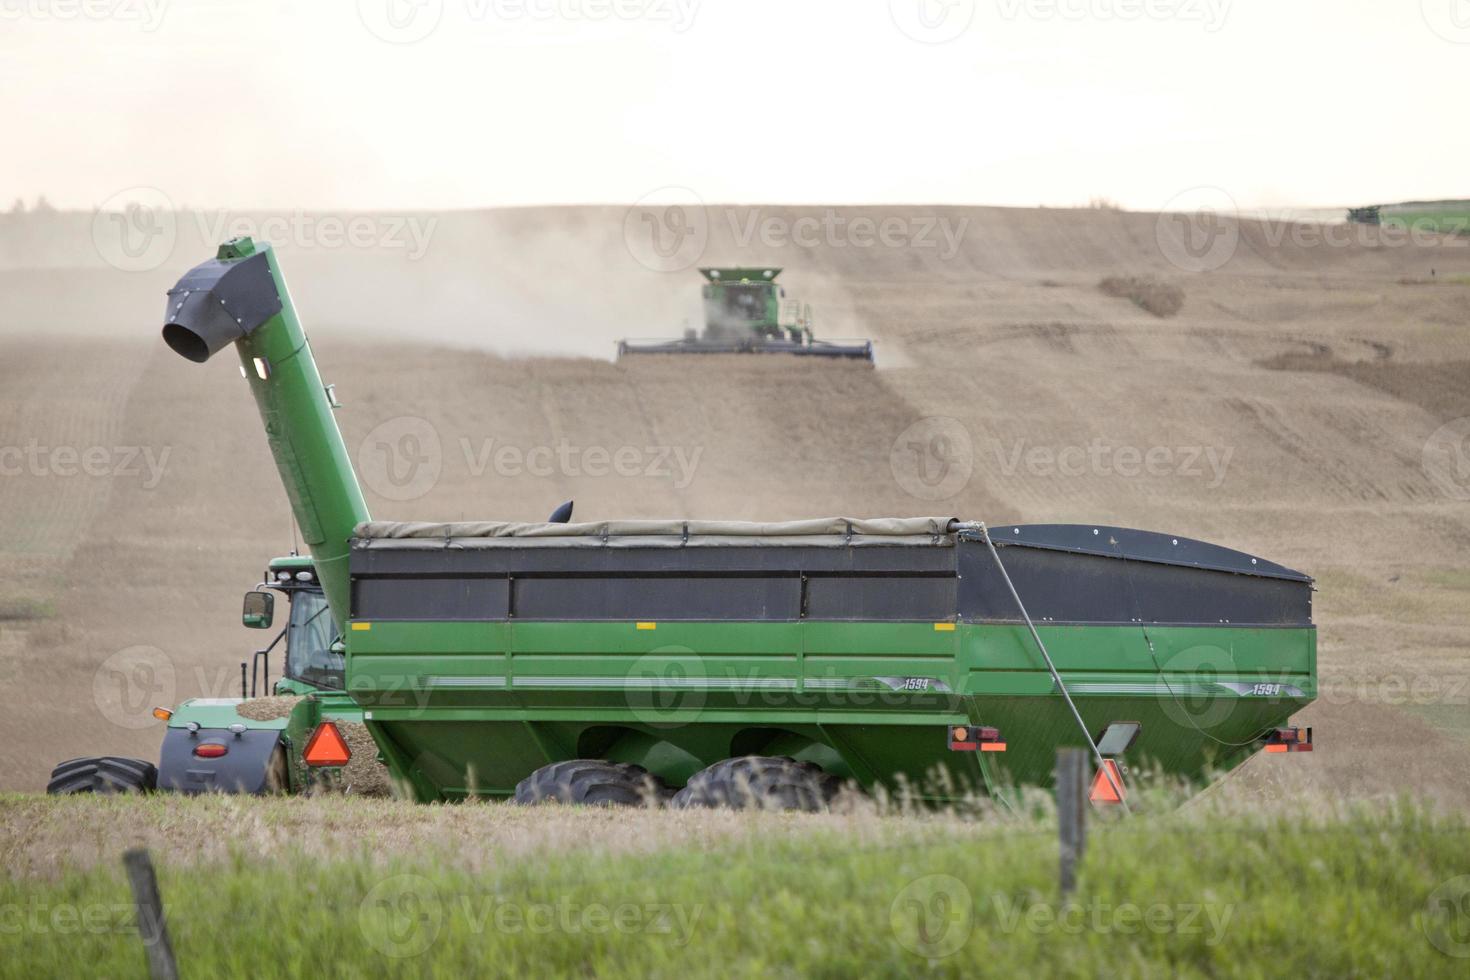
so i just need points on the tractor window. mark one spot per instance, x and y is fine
(748, 302)
(309, 639)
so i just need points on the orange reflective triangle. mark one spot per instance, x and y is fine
(1102, 789)
(326, 747)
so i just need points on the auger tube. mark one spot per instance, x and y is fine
(240, 297)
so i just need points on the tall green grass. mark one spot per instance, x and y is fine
(1362, 894)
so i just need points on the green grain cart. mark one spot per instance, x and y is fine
(747, 312)
(732, 663)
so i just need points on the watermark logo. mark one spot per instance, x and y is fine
(1192, 694)
(147, 14)
(135, 229)
(401, 916)
(665, 688)
(130, 683)
(677, 464)
(678, 14)
(1208, 920)
(1210, 13)
(67, 919)
(932, 21)
(118, 462)
(1198, 230)
(402, 458)
(400, 21)
(1446, 459)
(1450, 19)
(752, 227)
(411, 21)
(1447, 917)
(667, 230)
(933, 916)
(1101, 458)
(1396, 689)
(406, 233)
(933, 459)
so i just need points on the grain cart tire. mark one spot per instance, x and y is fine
(592, 782)
(108, 775)
(760, 782)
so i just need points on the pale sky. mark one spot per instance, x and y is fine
(471, 103)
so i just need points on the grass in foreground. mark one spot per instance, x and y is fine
(1193, 893)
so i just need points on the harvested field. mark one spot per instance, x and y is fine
(1313, 459)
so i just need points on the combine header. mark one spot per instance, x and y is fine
(713, 663)
(745, 312)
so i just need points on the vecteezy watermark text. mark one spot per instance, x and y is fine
(410, 21)
(1210, 13)
(35, 459)
(404, 457)
(667, 229)
(136, 229)
(751, 226)
(67, 918)
(148, 14)
(403, 916)
(673, 463)
(1100, 458)
(1207, 919)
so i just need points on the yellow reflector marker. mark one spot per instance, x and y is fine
(362, 627)
(944, 627)
(648, 626)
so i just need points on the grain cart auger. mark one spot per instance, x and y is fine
(728, 663)
(746, 312)
(245, 745)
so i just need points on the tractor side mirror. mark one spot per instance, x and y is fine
(259, 610)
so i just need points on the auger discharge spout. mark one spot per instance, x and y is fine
(240, 297)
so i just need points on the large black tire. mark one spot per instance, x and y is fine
(108, 774)
(592, 782)
(760, 782)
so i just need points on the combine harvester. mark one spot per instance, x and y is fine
(728, 663)
(745, 312)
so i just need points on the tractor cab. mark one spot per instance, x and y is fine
(746, 303)
(313, 655)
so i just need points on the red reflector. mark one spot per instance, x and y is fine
(210, 750)
(1102, 787)
(1290, 740)
(326, 747)
(965, 738)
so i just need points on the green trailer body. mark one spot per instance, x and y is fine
(479, 653)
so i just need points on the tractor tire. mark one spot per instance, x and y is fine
(593, 782)
(760, 782)
(108, 775)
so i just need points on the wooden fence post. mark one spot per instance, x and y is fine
(1071, 812)
(151, 923)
